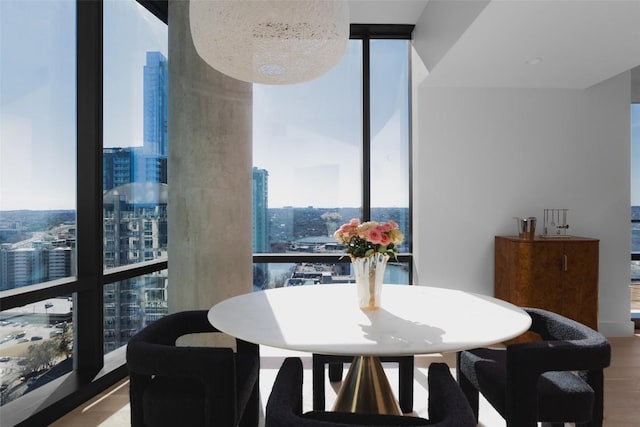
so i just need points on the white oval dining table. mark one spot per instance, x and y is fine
(326, 319)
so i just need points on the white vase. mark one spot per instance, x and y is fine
(369, 273)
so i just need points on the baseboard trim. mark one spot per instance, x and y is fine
(617, 329)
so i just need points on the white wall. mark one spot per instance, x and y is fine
(483, 156)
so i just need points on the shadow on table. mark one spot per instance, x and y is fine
(387, 328)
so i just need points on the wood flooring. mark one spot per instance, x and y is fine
(622, 389)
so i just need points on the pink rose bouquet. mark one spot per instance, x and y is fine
(364, 239)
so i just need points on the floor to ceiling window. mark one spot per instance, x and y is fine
(78, 276)
(37, 188)
(329, 150)
(38, 137)
(134, 166)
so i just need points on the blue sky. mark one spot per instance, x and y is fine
(37, 105)
(309, 138)
(130, 31)
(37, 94)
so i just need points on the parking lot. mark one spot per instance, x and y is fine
(15, 339)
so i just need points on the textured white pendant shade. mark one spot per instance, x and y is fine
(270, 41)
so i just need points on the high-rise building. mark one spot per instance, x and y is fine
(60, 262)
(117, 167)
(260, 225)
(40, 262)
(135, 230)
(260, 211)
(149, 162)
(121, 166)
(156, 87)
(150, 167)
(135, 223)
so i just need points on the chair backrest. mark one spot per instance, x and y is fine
(448, 407)
(581, 347)
(159, 368)
(169, 328)
(151, 349)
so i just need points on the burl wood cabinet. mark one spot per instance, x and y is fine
(555, 274)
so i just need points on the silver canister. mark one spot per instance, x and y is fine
(526, 227)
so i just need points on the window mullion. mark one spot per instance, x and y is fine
(366, 131)
(88, 311)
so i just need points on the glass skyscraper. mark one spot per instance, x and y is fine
(156, 88)
(147, 163)
(260, 213)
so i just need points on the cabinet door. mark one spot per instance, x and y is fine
(580, 282)
(540, 283)
(529, 274)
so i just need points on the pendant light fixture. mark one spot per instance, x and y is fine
(270, 41)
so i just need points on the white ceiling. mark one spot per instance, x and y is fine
(580, 42)
(386, 11)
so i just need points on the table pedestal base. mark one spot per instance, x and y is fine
(366, 389)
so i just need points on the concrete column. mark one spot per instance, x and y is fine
(209, 170)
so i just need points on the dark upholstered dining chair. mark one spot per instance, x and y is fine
(555, 380)
(191, 386)
(335, 366)
(447, 405)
